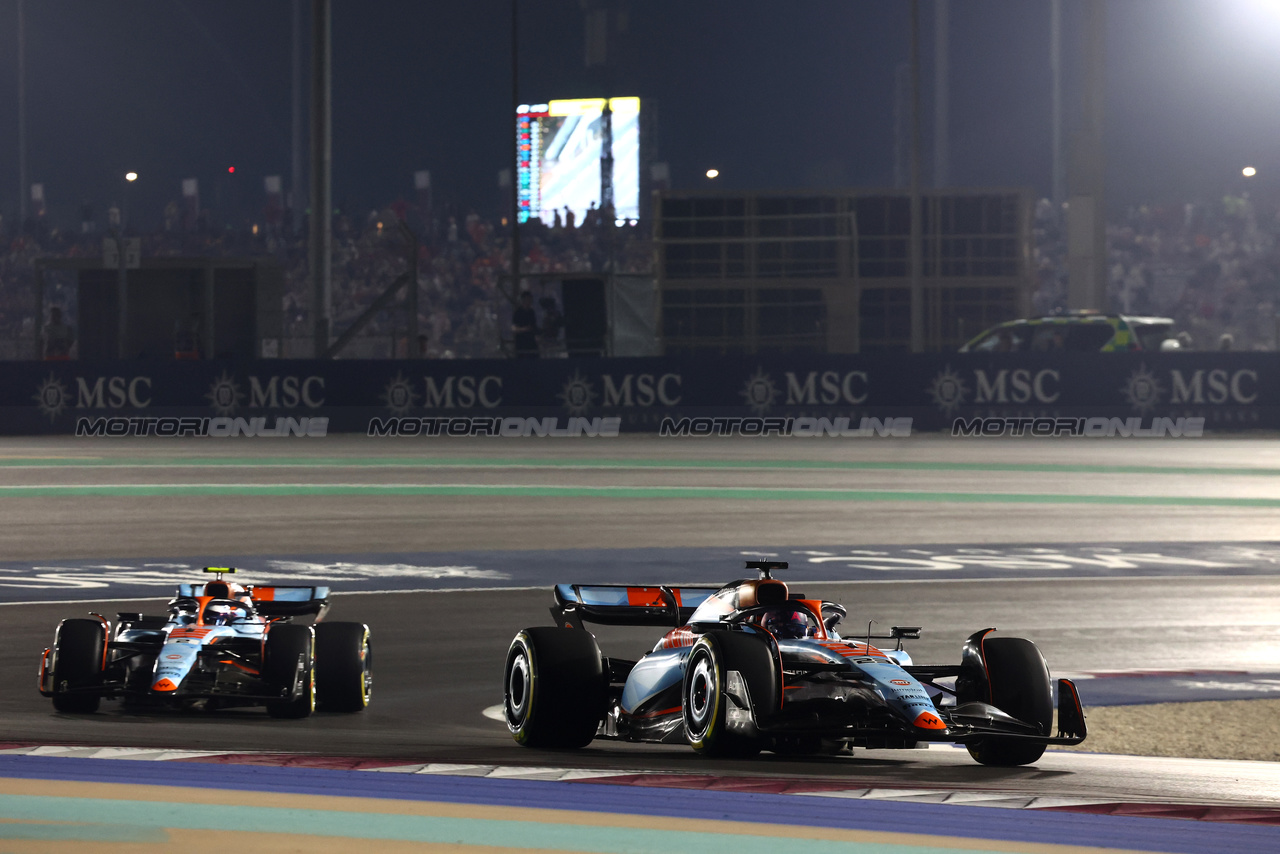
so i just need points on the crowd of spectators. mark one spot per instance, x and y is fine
(465, 297)
(1214, 267)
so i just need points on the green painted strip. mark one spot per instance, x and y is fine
(428, 829)
(596, 463)
(641, 492)
(83, 832)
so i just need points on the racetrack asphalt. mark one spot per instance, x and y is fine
(348, 494)
(439, 655)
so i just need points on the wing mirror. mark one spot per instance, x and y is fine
(832, 614)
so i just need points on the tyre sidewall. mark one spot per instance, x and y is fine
(344, 666)
(79, 647)
(520, 685)
(1018, 681)
(756, 661)
(705, 698)
(559, 675)
(1018, 684)
(285, 643)
(703, 695)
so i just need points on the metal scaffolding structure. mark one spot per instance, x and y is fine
(831, 272)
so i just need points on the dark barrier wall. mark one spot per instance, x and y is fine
(1231, 391)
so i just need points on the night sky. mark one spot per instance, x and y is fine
(774, 95)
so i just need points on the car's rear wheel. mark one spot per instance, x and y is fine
(555, 687)
(344, 666)
(705, 700)
(288, 666)
(1019, 684)
(77, 665)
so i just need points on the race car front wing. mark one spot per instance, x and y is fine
(968, 722)
(245, 683)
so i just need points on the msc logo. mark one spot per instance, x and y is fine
(288, 392)
(633, 390)
(950, 390)
(1144, 391)
(463, 392)
(648, 390)
(53, 398)
(828, 387)
(578, 394)
(1017, 386)
(759, 392)
(814, 388)
(1223, 386)
(113, 393)
(399, 395)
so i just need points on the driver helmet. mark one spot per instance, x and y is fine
(218, 614)
(788, 621)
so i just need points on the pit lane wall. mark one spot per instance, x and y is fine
(1230, 391)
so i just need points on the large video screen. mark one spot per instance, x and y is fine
(560, 144)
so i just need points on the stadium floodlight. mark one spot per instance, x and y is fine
(713, 173)
(131, 176)
(1257, 15)
(1248, 171)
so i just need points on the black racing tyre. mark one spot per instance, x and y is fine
(287, 645)
(555, 688)
(344, 666)
(704, 700)
(1019, 684)
(78, 650)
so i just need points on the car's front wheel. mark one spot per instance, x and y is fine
(344, 666)
(705, 700)
(79, 648)
(1019, 685)
(288, 666)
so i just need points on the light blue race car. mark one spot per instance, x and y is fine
(221, 645)
(751, 666)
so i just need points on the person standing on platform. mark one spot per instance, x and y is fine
(186, 339)
(58, 337)
(524, 323)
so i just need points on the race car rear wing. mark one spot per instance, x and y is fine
(274, 601)
(624, 605)
(290, 601)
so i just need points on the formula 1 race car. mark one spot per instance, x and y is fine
(751, 666)
(221, 645)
